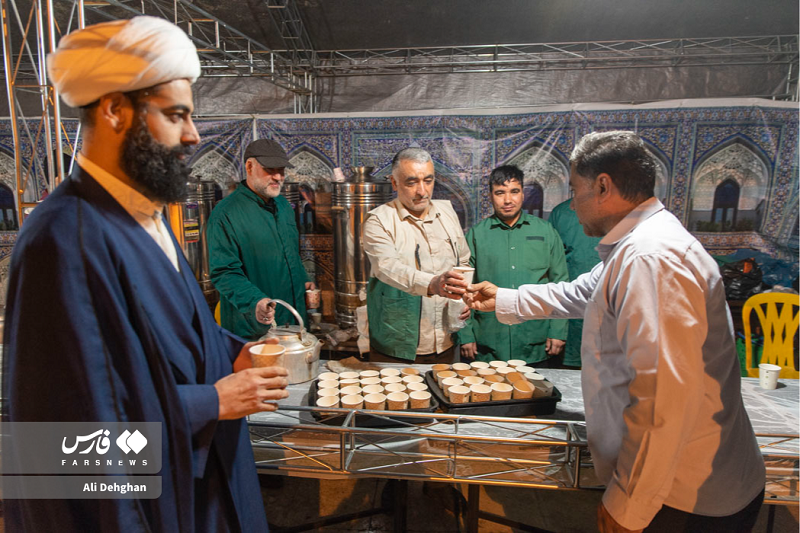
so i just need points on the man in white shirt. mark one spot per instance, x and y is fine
(667, 428)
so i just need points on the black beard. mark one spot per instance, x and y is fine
(154, 166)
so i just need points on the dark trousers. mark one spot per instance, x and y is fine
(446, 357)
(669, 520)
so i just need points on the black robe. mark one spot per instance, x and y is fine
(101, 327)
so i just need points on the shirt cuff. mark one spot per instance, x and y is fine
(506, 306)
(630, 513)
(422, 281)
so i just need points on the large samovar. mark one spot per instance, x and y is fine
(188, 220)
(352, 200)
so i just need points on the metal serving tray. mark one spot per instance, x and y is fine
(534, 406)
(373, 421)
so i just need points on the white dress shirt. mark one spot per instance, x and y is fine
(660, 377)
(143, 210)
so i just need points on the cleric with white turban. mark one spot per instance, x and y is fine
(130, 337)
(122, 55)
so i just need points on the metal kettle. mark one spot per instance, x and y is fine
(301, 358)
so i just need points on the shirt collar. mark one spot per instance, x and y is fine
(404, 213)
(640, 213)
(134, 202)
(524, 218)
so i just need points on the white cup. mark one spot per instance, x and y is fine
(467, 272)
(768, 375)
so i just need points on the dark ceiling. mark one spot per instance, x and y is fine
(370, 24)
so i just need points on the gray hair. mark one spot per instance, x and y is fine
(622, 155)
(418, 155)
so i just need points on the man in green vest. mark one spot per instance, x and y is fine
(254, 247)
(513, 248)
(412, 244)
(581, 257)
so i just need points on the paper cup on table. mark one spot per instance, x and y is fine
(412, 379)
(513, 377)
(477, 365)
(515, 363)
(395, 387)
(493, 378)
(326, 376)
(497, 364)
(348, 375)
(386, 372)
(501, 391)
(472, 380)
(524, 369)
(459, 394)
(370, 381)
(504, 371)
(543, 387)
(420, 399)
(353, 401)
(768, 375)
(449, 383)
(327, 392)
(328, 401)
(312, 298)
(391, 379)
(523, 390)
(460, 366)
(348, 382)
(372, 389)
(444, 375)
(412, 387)
(351, 390)
(266, 354)
(483, 372)
(409, 372)
(441, 367)
(368, 374)
(376, 402)
(328, 384)
(480, 393)
(533, 376)
(397, 401)
(466, 373)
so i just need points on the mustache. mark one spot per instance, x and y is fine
(426, 197)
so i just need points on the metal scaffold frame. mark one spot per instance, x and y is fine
(471, 449)
(225, 51)
(26, 72)
(299, 68)
(645, 53)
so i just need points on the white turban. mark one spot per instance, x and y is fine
(123, 55)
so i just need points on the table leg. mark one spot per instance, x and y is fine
(400, 505)
(473, 507)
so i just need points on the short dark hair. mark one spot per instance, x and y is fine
(505, 173)
(623, 156)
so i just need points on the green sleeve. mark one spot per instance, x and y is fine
(558, 272)
(226, 268)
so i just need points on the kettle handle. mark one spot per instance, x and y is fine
(295, 313)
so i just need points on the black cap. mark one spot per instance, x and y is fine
(269, 153)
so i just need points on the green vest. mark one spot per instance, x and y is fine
(393, 320)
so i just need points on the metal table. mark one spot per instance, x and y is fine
(526, 452)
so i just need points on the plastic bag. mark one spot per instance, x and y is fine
(742, 279)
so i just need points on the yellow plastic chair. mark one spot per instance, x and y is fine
(779, 328)
(216, 315)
